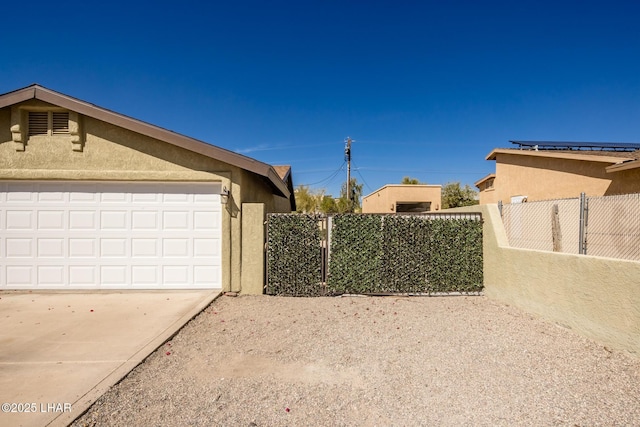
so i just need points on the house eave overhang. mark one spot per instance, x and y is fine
(567, 155)
(481, 180)
(90, 110)
(623, 166)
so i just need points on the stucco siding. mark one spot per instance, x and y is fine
(595, 296)
(624, 182)
(546, 178)
(108, 148)
(384, 200)
(256, 190)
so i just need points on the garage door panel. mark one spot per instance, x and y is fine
(51, 248)
(175, 220)
(206, 247)
(205, 220)
(113, 196)
(145, 220)
(51, 220)
(113, 220)
(146, 197)
(205, 275)
(88, 195)
(21, 192)
(175, 275)
(50, 275)
(83, 220)
(175, 247)
(19, 248)
(83, 275)
(20, 275)
(144, 247)
(113, 275)
(19, 220)
(148, 275)
(110, 235)
(113, 248)
(179, 198)
(82, 248)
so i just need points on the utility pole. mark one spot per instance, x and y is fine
(347, 156)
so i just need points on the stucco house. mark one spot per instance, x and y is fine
(93, 199)
(543, 170)
(403, 198)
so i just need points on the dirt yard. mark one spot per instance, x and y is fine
(374, 361)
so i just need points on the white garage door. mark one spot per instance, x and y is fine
(109, 235)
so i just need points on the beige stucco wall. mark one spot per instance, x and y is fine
(384, 200)
(253, 238)
(596, 297)
(112, 153)
(544, 178)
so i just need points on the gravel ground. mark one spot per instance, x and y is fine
(374, 361)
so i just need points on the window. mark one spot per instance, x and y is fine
(48, 123)
(413, 207)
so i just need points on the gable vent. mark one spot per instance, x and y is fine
(38, 122)
(60, 122)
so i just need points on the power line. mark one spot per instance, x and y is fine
(357, 169)
(330, 177)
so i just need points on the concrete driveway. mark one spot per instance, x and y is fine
(60, 351)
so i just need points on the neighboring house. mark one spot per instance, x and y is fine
(555, 170)
(92, 199)
(403, 198)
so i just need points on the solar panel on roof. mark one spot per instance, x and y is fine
(602, 146)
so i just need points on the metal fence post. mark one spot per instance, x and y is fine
(583, 225)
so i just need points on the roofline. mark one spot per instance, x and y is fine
(572, 145)
(487, 177)
(623, 166)
(402, 185)
(41, 93)
(570, 155)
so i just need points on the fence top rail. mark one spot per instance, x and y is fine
(606, 197)
(541, 201)
(476, 216)
(631, 196)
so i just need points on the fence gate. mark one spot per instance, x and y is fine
(296, 253)
(373, 253)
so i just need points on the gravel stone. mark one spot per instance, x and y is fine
(374, 361)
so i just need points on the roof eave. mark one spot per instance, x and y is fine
(17, 96)
(191, 144)
(623, 166)
(568, 155)
(485, 178)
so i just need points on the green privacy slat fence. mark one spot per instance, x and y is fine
(294, 256)
(369, 254)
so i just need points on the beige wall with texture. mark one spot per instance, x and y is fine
(384, 200)
(596, 297)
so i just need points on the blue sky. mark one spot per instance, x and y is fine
(425, 88)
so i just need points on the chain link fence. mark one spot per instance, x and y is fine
(607, 226)
(613, 226)
(310, 255)
(546, 225)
